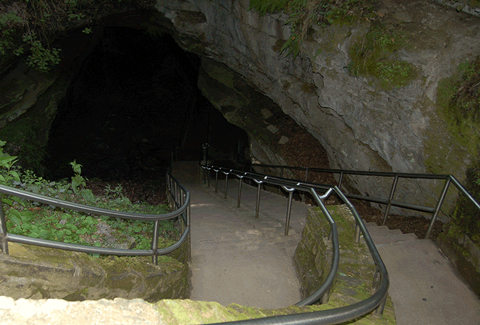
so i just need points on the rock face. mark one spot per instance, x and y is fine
(362, 125)
(39, 273)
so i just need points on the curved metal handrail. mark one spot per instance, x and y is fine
(388, 202)
(181, 198)
(332, 316)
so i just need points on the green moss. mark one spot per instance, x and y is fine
(458, 101)
(375, 55)
(356, 270)
(458, 97)
(305, 14)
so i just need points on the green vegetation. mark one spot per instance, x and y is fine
(30, 26)
(303, 14)
(48, 222)
(459, 100)
(376, 56)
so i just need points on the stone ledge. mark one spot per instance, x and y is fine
(40, 273)
(138, 311)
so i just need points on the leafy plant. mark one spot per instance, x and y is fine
(48, 222)
(79, 183)
(6, 164)
(30, 26)
(41, 58)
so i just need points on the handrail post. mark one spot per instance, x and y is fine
(281, 175)
(306, 180)
(226, 182)
(216, 180)
(340, 180)
(155, 243)
(259, 187)
(179, 196)
(208, 176)
(189, 240)
(240, 182)
(325, 297)
(379, 310)
(357, 232)
(390, 198)
(175, 194)
(289, 208)
(3, 228)
(205, 158)
(437, 208)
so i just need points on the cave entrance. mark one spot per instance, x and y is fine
(132, 103)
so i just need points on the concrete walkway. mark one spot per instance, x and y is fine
(424, 286)
(238, 258)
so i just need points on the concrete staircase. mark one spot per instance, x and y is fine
(424, 286)
(237, 258)
(382, 235)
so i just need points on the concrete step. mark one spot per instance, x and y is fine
(381, 230)
(385, 240)
(382, 235)
(238, 258)
(424, 286)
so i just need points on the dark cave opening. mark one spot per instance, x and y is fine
(133, 102)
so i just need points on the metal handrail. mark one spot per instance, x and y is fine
(332, 316)
(388, 202)
(178, 195)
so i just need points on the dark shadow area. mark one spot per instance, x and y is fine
(134, 101)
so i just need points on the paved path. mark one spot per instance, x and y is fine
(424, 286)
(237, 258)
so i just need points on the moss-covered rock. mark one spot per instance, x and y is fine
(356, 271)
(38, 273)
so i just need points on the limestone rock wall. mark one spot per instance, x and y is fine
(362, 126)
(39, 273)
